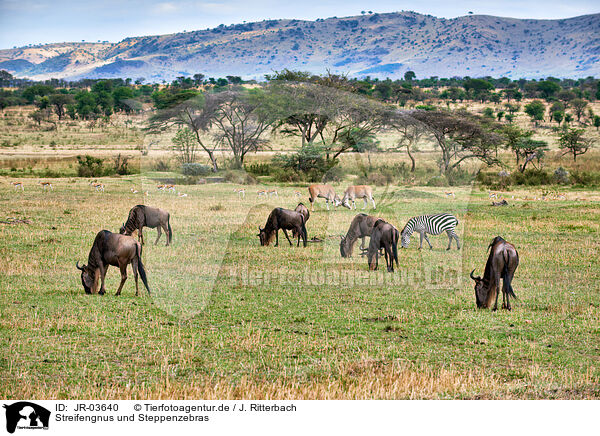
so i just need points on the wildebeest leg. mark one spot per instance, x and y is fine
(159, 233)
(497, 287)
(277, 237)
(427, 239)
(362, 244)
(286, 235)
(141, 235)
(123, 269)
(102, 272)
(167, 234)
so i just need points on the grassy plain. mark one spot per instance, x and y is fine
(231, 319)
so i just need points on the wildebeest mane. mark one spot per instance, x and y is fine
(136, 218)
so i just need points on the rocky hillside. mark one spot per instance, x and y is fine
(381, 45)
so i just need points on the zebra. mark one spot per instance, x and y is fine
(433, 224)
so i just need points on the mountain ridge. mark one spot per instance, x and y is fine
(380, 45)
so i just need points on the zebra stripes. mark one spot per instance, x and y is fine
(432, 224)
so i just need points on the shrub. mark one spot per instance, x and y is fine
(162, 165)
(259, 169)
(334, 174)
(90, 166)
(195, 169)
(437, 181)
(561, 176)
(532, 177)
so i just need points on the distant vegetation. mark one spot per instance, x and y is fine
(332, 115)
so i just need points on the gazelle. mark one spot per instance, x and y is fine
(17, 185)
(98, 187)
(323, 191)
(134, 191)
(450, 194)
(273, 192)
(170, 188)
(181, 194)
(46, 185)
(297, 194)
(240, 192)
(360, 191)
(261, 192)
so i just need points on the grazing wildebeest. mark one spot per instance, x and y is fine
(116, 250)
(285, 220)
(323, 191)
(301, 208)
(145, 216)
(359, 191)
(384, 236)
(501, 264)
(361, 227)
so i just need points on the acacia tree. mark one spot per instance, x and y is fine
(527, 150)
(460, 136)
(332, 116)
(241, 119)
(573, 141)
(193, 113)
(59, 101)
(411, 131)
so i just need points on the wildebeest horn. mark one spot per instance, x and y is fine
(473, 277)
(78, 267)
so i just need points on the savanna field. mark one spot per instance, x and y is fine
(231, 319)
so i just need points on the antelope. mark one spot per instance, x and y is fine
(240, 192)
(262, 192)
(46, 185)
(273, 192)
(161, 187)
(98, 186)
(181, 194)
(360, 191)
(134, 191)
(17, 185)
(297, 194)
(323, 191)
(170, 188)
(450, 194)
(493, 195)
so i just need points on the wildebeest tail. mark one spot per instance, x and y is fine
(304, 232)
(141, 268)
(396, 236)
(169, 228)
(506, 277)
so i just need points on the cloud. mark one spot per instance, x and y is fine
(165, 8)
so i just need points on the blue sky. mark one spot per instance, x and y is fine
(25, 22)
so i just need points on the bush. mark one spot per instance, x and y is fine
(162, 165)
(195, 169)
(90, 166)
(437, 181)
(532, 177)
(585, 178)
(308, 163)
(561, 176)
(335, 174)
(259, 169)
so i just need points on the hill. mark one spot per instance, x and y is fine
(379, 45)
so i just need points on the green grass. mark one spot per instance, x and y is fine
(231, 319)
